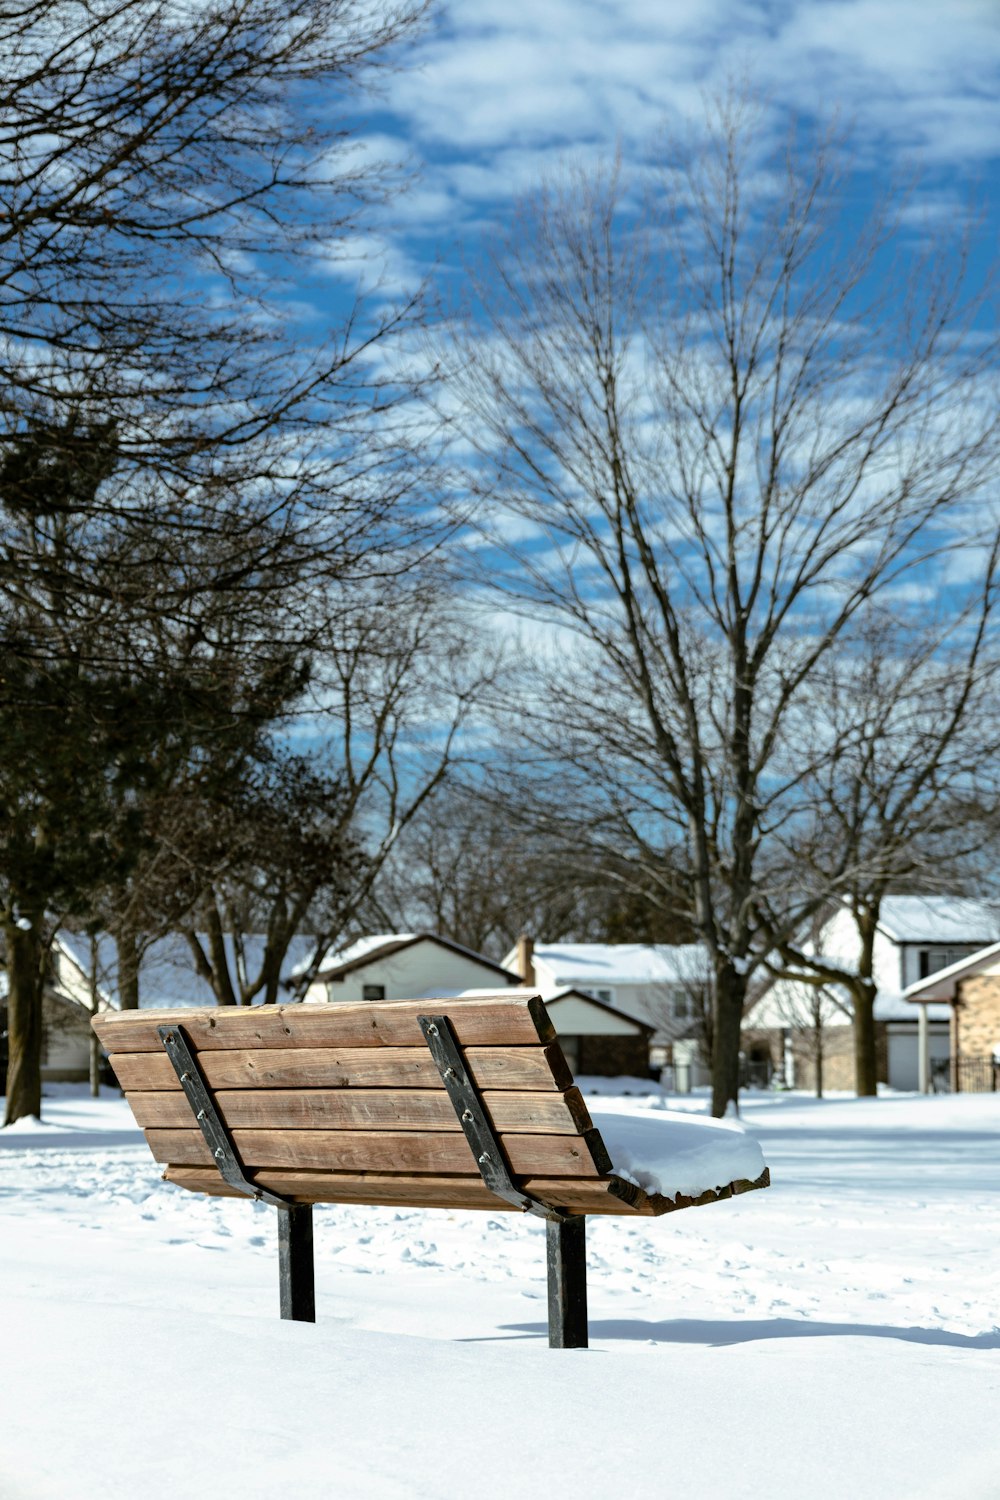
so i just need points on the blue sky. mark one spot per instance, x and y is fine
(497, 93)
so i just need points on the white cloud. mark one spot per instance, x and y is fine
(503, 88)
(372, 263)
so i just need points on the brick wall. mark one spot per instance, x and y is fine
(975, 1027)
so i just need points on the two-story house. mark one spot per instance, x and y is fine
(662, 985)
(916, 937)
(596, 1035)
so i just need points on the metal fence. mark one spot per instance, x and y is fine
(755, 1073)
(966, 1075)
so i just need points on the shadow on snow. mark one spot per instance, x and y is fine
(747, 1331)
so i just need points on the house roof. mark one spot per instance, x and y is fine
(590, 964)
(375, 948)
(938, 919)
(941, 986)
(892, 1005)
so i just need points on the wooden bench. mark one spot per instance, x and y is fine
(460, 1104)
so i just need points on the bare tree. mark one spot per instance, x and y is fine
(395, 689)
(709, 432)
(908, 787)
(249, 866)
(157, 162)
(474, 868)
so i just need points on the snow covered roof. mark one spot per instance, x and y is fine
(598, 964)
(891, 1005)
(381, 945)
(167, 976)
(938, 919)
(364, 947)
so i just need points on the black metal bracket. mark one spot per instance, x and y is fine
(220, 1143)
(482, 1138)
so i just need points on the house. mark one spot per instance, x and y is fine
(405, 966)
(66, 1012)
(597, 1036)
(660, 986)
(917, 936)
(167, 979)
(65, 1038)
(970, 988)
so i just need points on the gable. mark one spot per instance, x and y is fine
(420, 967)
(577, 1015)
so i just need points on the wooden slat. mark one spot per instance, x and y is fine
(493, 1020)
(386, 1151)
(572, 1195)
(607, 1195)
(525, 1068)
(367, 1109)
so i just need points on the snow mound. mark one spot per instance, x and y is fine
(667, 1152)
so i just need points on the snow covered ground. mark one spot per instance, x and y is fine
(834, 1336)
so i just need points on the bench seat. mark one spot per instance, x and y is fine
(347, 1104)
(344, 1104)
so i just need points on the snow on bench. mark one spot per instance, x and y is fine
(673, 1156)
(464, 1103)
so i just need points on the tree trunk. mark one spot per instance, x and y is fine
(222, 981)
(727, 1019)
(128, 967)
(818, 1051)
(25, 968)
(272, 975)
(865, 1064)
(863, 992)
(95, 1046)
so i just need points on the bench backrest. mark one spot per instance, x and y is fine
(345, 1104)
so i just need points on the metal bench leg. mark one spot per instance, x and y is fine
(295, 1262)
(566, 1254)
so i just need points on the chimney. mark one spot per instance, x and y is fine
(525, 959)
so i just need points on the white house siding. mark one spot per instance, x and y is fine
(68, 976)
(66, 1059)
(663, 1003)
(841, 942)
(66, 1041)
(411, 973)
(574, 1017)
(895, 965)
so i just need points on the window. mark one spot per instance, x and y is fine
(373, 992)
(933, 960)
(606, 995)
(689, 1001)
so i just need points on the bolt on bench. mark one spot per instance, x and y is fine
(461, 1104)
